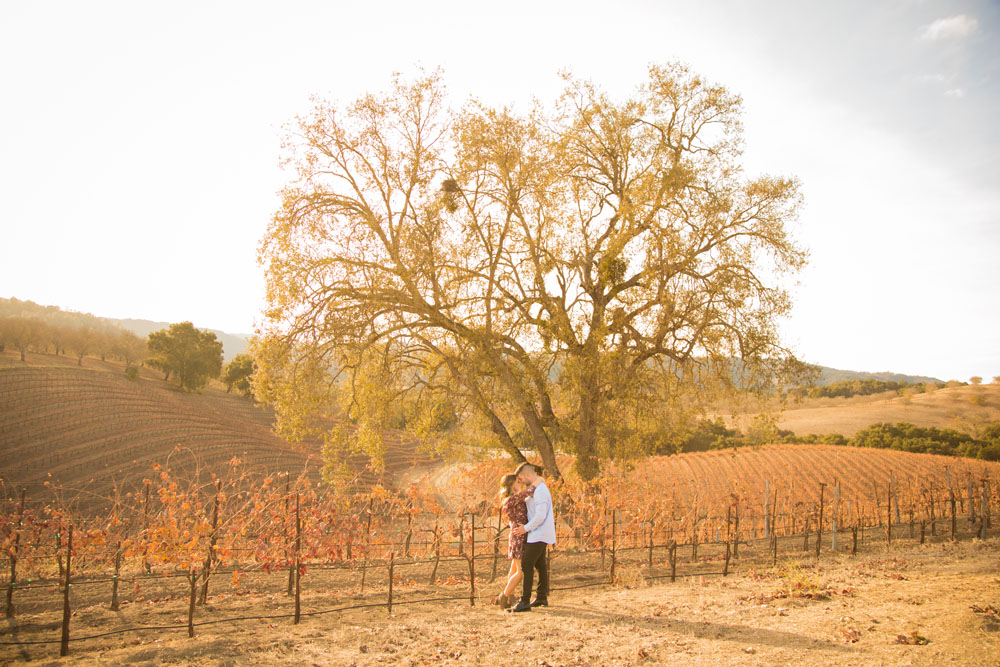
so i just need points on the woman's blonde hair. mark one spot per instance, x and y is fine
(507, 485)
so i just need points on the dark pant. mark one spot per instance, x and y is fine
(534, 556)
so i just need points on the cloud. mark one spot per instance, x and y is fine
(955, 92)
(953, 26)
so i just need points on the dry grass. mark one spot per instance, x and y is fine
(873, 609)
(961, 408)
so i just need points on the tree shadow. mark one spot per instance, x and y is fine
(743, 634)
(15, 634)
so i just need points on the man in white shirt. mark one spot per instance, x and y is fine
(541, 531)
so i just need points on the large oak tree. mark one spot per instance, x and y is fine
(542, 274)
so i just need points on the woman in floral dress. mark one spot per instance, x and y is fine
(514, 509)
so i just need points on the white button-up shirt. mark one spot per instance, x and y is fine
(541, 526)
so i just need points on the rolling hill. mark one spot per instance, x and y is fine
(88, 428)
(961, 408)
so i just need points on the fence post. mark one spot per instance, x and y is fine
(368, 542)
(437, 553)
(496, 546)
(9, 613)
(725, 567)
(983, 512)
(298, 561)
(392, 562)
(854, 540)
(472, 559)
(819, 525)
(614, 540)
(114, 579)
(409, 532)
(954, 519)
(213, 539)
(767, 508)
(972, 505)
(650, 534)
(736, 532)
(673, 561)
(192, 580)
(64, 644)
(836, 516)
(923, 526)
(145, 529)
(888, 515)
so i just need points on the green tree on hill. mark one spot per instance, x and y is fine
(192, 355)
(238, 373)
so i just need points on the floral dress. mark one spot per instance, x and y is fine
(516, 511)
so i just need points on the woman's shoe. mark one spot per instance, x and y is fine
(506, 601)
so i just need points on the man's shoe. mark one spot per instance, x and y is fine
(540, 602)
(521, 606)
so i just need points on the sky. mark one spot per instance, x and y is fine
(140, 143)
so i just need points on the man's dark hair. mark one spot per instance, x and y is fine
(538, 469)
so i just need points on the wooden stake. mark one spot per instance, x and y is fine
(614, 540)
(437, 554)
(819, 524)
(472, 559)
(212, 541)
(64, 644)
(392, 562)
(496, 546)
(673, 561)
(15, 550)
(114, 579)
(298, 562)
(193, 578)
(650, 535)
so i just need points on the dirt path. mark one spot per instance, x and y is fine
(848, 611)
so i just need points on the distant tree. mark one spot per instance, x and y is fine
(21, 332)
(194, 356)
(975, 379)
(82, 342)
(238, 373)
(130, 348)
(58, 335)
(996, 379)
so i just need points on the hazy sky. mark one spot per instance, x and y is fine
(139, 143)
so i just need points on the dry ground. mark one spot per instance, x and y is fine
(847, 611)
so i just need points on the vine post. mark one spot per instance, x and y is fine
(614, 542)
(298, 562)
(192, 581)
(392, 563)
(64, 643)
(14, 551)
(496, 546)
(472, 559)
(116, 576)
(212, 541)
(819, 523)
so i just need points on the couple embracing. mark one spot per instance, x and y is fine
(527, 505)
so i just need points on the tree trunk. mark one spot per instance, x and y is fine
(542, 442)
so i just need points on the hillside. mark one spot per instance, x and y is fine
(831, 375)
(88, 428)
(232, 344)
(961, 408)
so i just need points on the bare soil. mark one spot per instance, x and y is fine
(913, 605)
